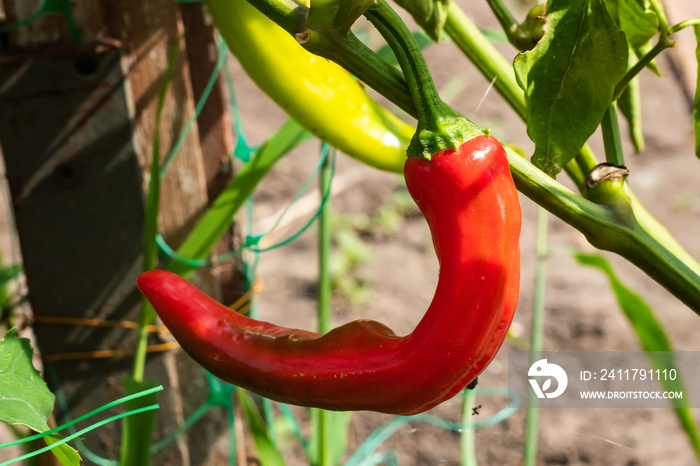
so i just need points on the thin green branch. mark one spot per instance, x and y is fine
(663, 44)
(290, 15)
(683, 24)
(611, 137)
(536, 335)
(504, 17)
(353, 55)
(324, 456)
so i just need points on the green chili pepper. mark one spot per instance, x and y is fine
(325, 99)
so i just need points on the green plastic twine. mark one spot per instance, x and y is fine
(49, 6)
(83, 417)
(251, 241)
(220, 394)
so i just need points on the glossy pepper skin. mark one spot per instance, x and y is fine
(321, 96)
(471, 206)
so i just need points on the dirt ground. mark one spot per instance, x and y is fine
(397, 278)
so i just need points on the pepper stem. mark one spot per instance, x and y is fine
(439, 126)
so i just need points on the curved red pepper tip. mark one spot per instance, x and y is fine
(471, 205)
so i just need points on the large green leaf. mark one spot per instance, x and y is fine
(569, 79)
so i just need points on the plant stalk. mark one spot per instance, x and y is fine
(611, 137)
(536, 335)
(468, 439)
(324, 305)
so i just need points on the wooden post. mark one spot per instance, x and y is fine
(76, 129)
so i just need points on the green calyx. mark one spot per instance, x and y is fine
(446, 130)
(439, 126)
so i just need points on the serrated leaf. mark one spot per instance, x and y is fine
(640, 24)
(696, 104)
(24, 397)
(429, 14)
(65, 455)
(569, 79)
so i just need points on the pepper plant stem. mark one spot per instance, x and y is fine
(439, 126)
(611, 137)
(536, 335)
(324, 308)
(660, 46)
(468, 439)
(353, 55)
(415, 70)
(504, 17)
(656, 253)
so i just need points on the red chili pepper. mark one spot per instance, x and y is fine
(471, 205)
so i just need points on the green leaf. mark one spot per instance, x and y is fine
(696, 105)
(650, 332)
(24, 397)
(631, 107)
(640, 24)
(65, 454)
(569, 79)
(429, 14)
(137, 430)
(268, 454)
(653, 338)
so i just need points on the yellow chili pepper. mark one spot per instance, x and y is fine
(324, 98)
